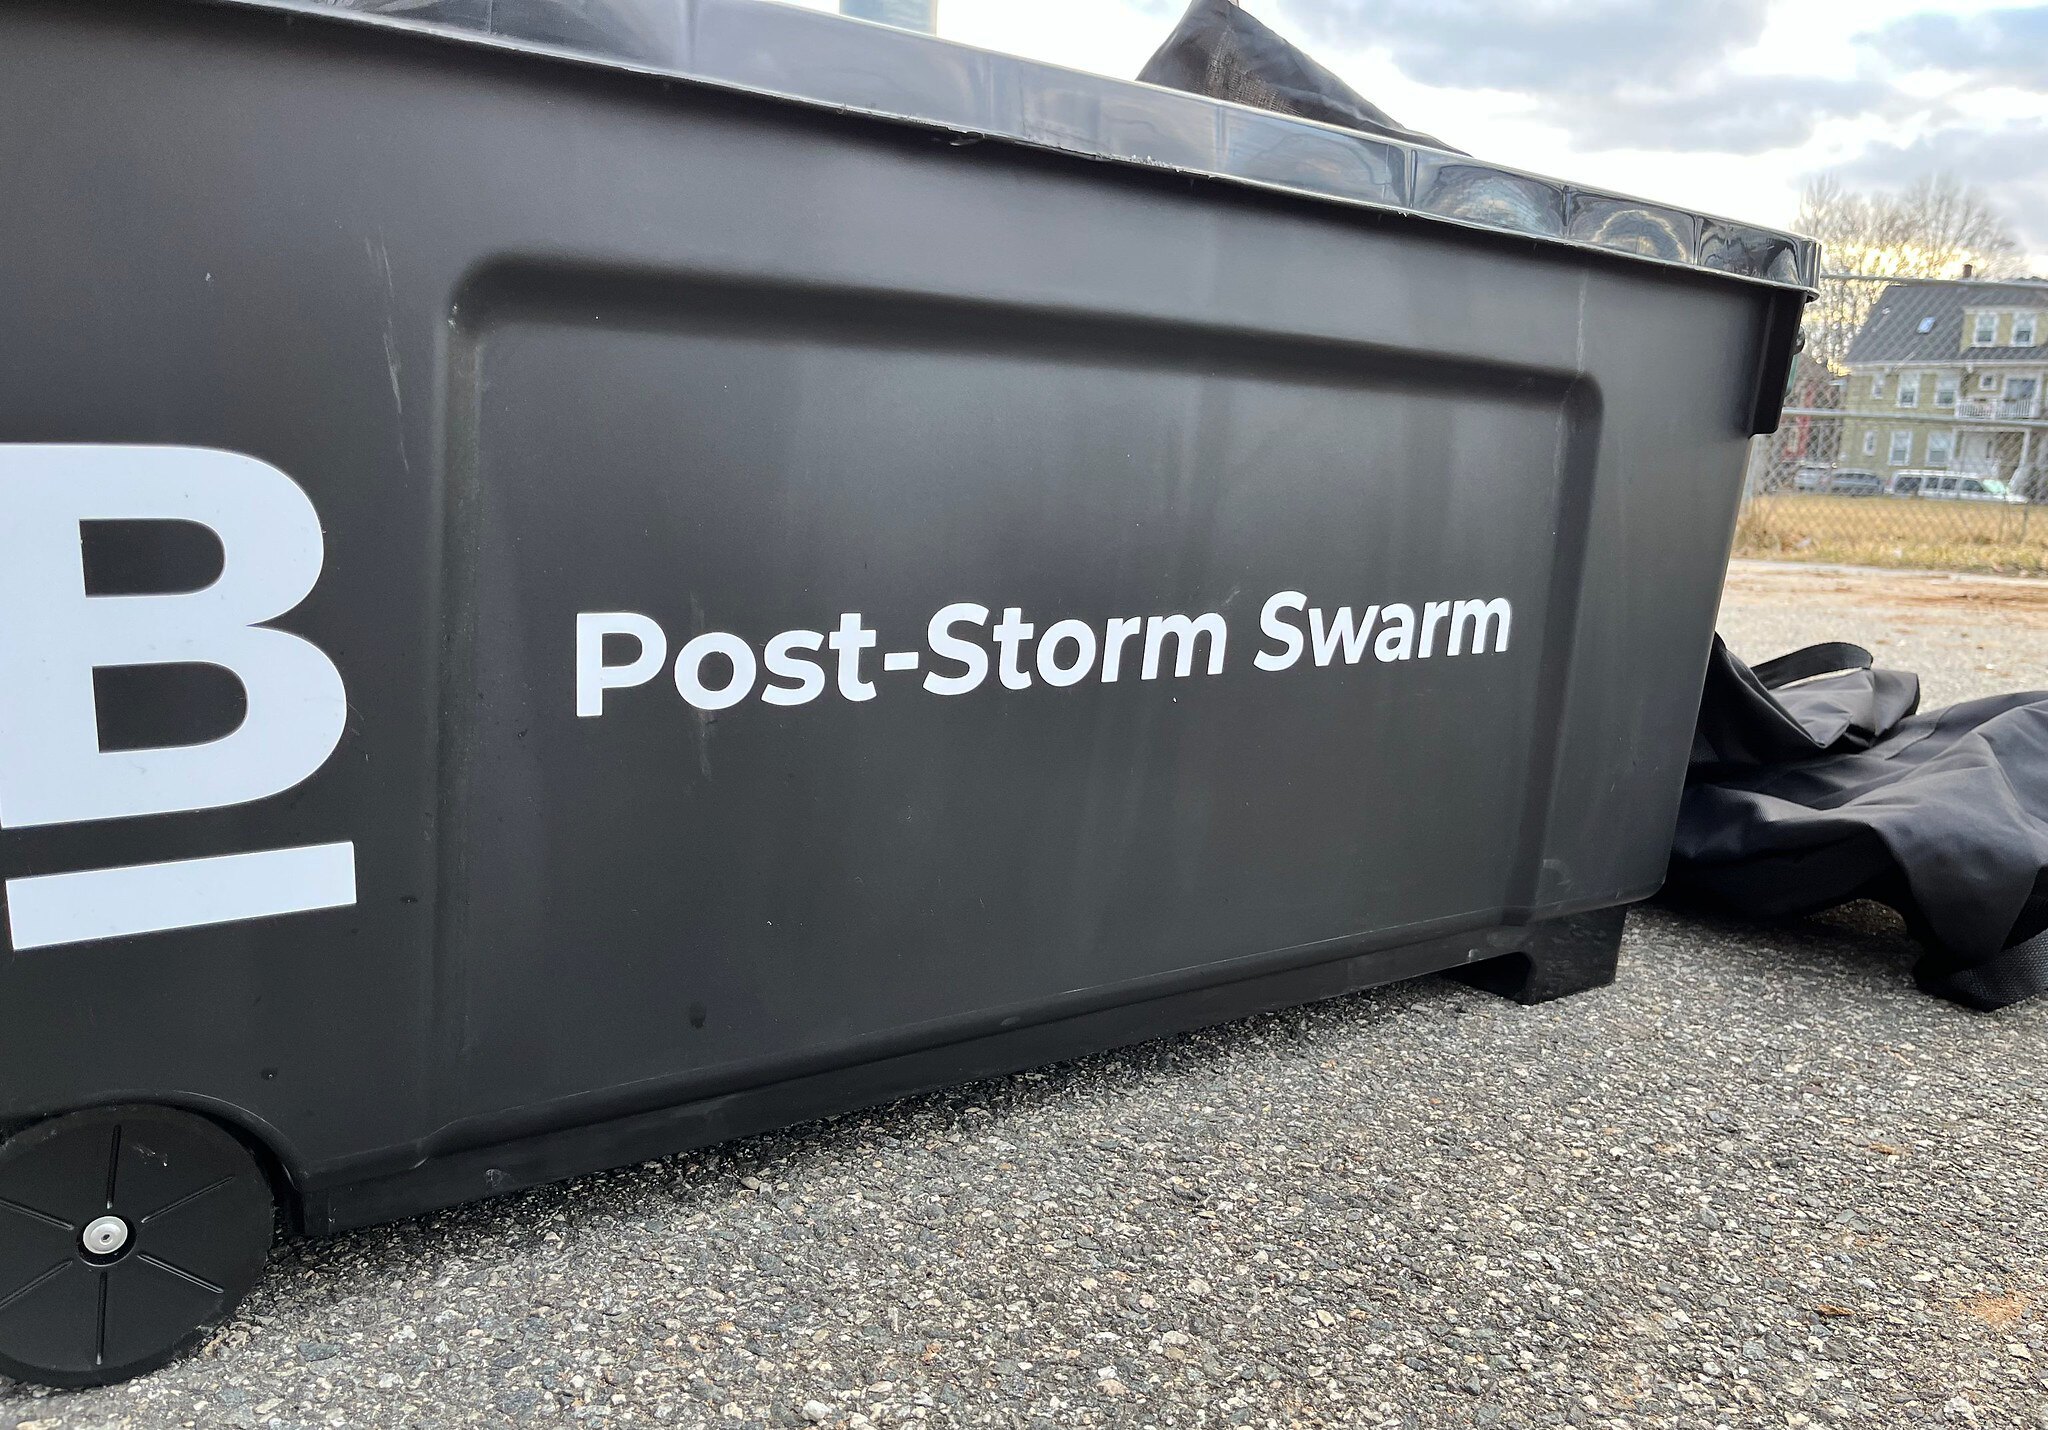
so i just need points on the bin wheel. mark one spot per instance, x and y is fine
(126, 1233)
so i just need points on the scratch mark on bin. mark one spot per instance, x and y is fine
(701, 729)
(1579, 354)
(380, 259)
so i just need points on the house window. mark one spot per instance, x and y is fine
(1984, 330)
(1938, 445)
(1945, 391)
(1909, 389)
(1870, 443)
(2023, 331)
(1987, 382)
(2019, 395)
(1877, 384)
(1902, 448)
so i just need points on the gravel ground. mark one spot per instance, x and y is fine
(1761, 1181)
(1967, 636)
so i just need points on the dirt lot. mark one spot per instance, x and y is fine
(1966, 636)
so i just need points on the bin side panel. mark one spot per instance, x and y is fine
(760, 884)
(539, 340)
(1668, 455)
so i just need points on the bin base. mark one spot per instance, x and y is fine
(1546, 960)
(1558, 958)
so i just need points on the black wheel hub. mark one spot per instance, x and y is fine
(125, 1234)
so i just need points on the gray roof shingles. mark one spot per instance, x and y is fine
(1892, 331)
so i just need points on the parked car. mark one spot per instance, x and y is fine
(1950, 486)
(1976, 489)
(1855, 482)
(1811, 477)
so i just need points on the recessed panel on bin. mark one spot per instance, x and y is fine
(736, 886)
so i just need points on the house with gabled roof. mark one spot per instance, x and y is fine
(1950, 373)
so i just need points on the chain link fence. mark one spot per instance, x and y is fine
(1915, 432)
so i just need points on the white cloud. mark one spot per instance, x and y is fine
(1533, 46)
(2009, 46)
(2007, 160)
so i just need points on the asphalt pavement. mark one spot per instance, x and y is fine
(1761, 1181)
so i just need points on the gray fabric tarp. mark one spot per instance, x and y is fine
(1807, 789)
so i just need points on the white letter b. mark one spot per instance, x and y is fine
(53, 635)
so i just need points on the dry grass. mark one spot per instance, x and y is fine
(1897, 531)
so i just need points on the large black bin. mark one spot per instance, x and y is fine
(555, 607)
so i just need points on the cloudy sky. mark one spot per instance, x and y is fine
(1720, 105)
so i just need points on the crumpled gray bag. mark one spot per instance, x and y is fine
(1219, 51)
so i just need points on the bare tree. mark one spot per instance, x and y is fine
(1930, 229)
(1936, 227)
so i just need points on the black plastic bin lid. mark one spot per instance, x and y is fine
(821, 59)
